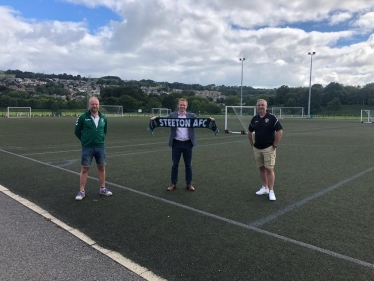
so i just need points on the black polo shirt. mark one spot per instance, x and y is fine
(264, 129)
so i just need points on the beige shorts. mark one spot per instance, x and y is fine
(265, 157)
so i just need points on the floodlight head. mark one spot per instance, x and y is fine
(311, 53)
(241, 59)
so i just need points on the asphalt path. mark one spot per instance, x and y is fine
(36, 246)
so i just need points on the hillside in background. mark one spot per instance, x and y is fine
(66, 91)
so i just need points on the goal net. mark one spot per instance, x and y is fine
(111, 110)
(18, 112)
(367, 116)
(160, 112)
(237, 118)
(288, 112)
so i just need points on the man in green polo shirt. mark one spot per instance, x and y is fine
(91, 128)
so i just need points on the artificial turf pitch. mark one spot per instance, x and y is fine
(318, 229)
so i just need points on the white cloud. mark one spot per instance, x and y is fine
(365, 22)
(196, 42)
(339, 17)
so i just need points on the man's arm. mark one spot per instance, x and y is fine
(250, 137)
(278, 136)
(78, 128)
(106, 126)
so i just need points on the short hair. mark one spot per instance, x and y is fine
(182, 99)
(93, 98)
(266, 103)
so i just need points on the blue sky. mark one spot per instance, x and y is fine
(42, 10)
(192, 41)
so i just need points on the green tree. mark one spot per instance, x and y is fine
(55, 107)
(5, 101)
(129, 103)
(168, 101)
(35, 103)
(334, 104)
(153, 102)
(212, 108)
(331, 91)
(280, 97)
(40, 89)
(195, 106)
(18, 94)
(353, 95)
(108, 101)
(291, 102)
(367, 94)
(229, 101)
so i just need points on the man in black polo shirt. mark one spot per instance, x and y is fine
(268, 132)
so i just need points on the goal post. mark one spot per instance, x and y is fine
(160, 112)
(111, 110)
(367, 116)
(288, 112)
(18, 112)
(237, 118)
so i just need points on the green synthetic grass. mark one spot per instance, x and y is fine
(324, 177)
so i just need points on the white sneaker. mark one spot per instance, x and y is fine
(272, 195)
(80, 195)
(105, 191)
(263, 191)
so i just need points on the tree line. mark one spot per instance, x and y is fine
(130, 95)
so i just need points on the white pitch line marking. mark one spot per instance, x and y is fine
(300, 203)
(255, 229)
(125, 262)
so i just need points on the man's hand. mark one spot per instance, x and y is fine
(212, 119)
(153, 118)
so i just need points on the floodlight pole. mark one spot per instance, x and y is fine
(310, 80)
(241, 87)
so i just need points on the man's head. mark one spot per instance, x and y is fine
(261, 107)
(93, 104)
(182, 105)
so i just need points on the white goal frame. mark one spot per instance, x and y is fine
(18, 112)
(160, 112)
(280, 112)
(111, 110)
(367, 116)
(238, 110)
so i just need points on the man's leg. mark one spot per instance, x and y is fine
(100, 157)
(87, 156)
(187, 157)
(270, 175)
(269, 160)
(264, 177)
(101, 175)
(83, 178)
(175, 156)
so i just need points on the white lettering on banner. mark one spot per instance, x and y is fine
(186, 123)
(202, 122)
(162, 122)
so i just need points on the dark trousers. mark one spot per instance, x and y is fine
(181, 148)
